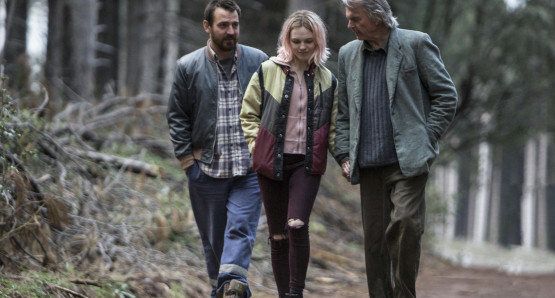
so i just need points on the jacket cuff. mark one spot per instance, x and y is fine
(432, 135)
(342, 158)
(186, 161)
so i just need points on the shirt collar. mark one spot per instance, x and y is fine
(216, 56)
(384, 47)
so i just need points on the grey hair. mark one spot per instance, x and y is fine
(376, 9)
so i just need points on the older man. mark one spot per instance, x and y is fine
(395, 102)
(203, 115)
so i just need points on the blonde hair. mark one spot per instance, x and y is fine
(310, 21)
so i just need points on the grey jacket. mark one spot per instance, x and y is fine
(422, 98)
(193, 103)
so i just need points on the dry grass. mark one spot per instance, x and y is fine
(85, 218)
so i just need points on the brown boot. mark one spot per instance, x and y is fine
(235, 289)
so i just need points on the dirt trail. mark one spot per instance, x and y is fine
(438, 279)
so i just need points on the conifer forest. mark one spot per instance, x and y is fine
(93, 202)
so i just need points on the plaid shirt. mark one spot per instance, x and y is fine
(231, 153)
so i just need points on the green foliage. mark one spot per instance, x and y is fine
(12, 137)
(40, 284)
(9, 288)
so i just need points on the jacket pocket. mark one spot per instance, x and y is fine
(320, 150)
(263, 154)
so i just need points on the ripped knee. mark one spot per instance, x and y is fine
(295, 223)
(278, 241)
(278, 237)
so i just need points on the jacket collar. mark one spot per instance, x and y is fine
(210, 55)
(394, 58)
(393, 44)
(286, 68)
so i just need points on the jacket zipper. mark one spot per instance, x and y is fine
(217, 111)
(299, 141)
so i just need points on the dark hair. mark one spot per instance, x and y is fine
(228, 5)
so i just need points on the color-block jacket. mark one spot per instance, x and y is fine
(264, 117)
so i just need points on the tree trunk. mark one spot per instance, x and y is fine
(483, 194)
(82, 38)
(171, 42)
(512, 182)
(452, 185)
(136, 16)
(528, 203)
(17, 68)
(464, 184)
(53, 66)
(108, 44)
(496, 183)
(122, 50)
(542, 216)
(191, 33)
(144, 40)
(472, 202)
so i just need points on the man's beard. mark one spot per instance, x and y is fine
(228, 43)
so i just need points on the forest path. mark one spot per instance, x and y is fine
(438, 279)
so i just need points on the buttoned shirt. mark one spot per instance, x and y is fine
(231, 153)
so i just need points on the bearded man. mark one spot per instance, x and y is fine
(203, 116)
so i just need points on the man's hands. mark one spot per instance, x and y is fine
(186, 162)
(346, 170)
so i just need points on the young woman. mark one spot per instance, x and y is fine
(288, 119)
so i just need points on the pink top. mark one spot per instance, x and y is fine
(295, 132)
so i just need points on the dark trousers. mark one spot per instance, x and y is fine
(289, 199)
(393, 217)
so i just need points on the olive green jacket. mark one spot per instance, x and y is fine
(423, 100)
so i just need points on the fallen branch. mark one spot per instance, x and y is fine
(67, 290)
(12, 260)
(141, 99)
(14, 277)
(45, 259)
(108, 119)
(87, 282)
(58, 147)
(40, 111)
(23, 250)
(119, 162)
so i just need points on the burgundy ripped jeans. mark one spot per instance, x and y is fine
(284, 201)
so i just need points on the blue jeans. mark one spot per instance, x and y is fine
(226, 212)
